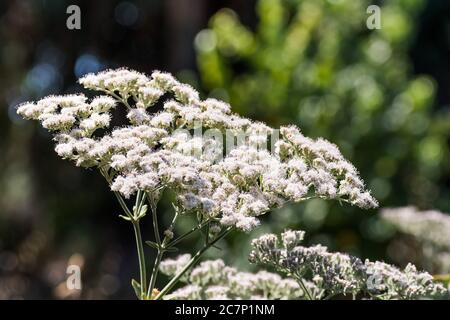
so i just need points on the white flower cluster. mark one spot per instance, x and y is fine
(171, 267)
(157, 150)
(214, 280)
(430, 228)
(426, 226)
(341, 274)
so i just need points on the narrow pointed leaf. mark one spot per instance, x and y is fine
(125, 217)
(137, 288)
(152, 244)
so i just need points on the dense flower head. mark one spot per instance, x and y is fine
(158, 150)
(429, 226)
(430, 229)
(339, 273)
(212, 279)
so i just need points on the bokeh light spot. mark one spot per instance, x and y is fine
(86, 63)
(205, 41)
(126, 14)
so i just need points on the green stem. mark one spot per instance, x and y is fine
(123, 205)
(118, 196)
(119, 98)
(154, 275)
(138, 202)
(160, 255)
(302, 284)
(141, 256)
(191, 262)
(152, 203)
(180, 238)
(137, 231)
(160, 244)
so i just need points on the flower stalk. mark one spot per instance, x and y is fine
(191, 262)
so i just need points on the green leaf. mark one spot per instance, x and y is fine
(152, 244)
(141, 213)
(137, 288)
(125, 217)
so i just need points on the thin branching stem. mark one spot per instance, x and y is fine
(191, 262)
(153, 206)
(302, 284)
(154, 274)
(198, 227)
(141, 257)
(161, 245)
(137, 231)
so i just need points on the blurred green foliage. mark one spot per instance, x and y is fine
(315, 63)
